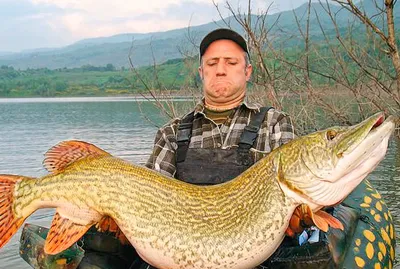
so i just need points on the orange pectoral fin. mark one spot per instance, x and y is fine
(63, 233)
(289, 232)
(108, 224)
(329, 220)
(304, 214)
(300, 219)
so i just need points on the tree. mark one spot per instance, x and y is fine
(110, 67)
(356, 60)
(386, 32)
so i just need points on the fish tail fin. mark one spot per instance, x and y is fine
(9, 223)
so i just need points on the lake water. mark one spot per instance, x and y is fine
(29, 127)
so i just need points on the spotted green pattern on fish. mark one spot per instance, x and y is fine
(173, 224)
(374, 238)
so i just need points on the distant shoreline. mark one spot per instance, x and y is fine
(125, 98)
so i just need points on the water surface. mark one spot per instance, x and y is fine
(29, 127)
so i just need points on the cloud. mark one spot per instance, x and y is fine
(25, 9)
(257, 6)
(25, 25)
(105, 9)
(88, 18)
(28, 24)
(191, 12)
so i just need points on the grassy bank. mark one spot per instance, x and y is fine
(89, 80)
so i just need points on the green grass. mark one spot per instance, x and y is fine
(86, 82)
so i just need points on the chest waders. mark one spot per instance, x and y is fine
(214, 166)
(211, 166)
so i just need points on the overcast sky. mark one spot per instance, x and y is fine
(28, 24)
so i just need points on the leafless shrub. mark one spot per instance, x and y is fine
(337, 80)
(161, 96)
(341, 78)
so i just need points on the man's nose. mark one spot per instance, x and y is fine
(221, 69)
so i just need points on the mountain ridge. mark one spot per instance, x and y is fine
(147, 48)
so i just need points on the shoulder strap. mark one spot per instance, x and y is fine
(183, 136)
(247, 138)
(249, 135)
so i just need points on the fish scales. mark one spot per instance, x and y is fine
(173, 224)
(206, 216)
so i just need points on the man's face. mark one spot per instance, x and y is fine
(224, 72)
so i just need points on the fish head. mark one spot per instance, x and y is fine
(322, 168)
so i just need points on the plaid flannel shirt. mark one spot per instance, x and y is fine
(276, 129)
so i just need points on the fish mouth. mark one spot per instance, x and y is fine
(351, 156)
(360, 158)
(372, 142)
(380, 120)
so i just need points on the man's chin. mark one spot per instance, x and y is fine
(222, 91)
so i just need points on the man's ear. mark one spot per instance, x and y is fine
(248, 71)
(201, 72)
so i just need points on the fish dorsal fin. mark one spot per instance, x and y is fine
(67, 152)
(63, 233)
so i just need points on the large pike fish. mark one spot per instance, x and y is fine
(173, 224)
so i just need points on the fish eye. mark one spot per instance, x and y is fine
(331, 134)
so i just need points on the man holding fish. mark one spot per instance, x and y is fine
(240, 220)
(225, 133)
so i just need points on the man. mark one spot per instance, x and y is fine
(220, 118)
(210, 145)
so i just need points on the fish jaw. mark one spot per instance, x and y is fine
(361, 162)
(371, 142)
(327, 178)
